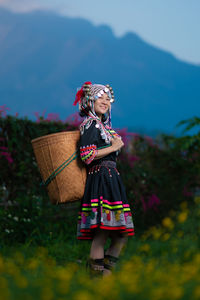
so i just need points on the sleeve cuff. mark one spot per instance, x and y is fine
(88, 153)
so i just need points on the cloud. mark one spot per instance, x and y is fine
(30, 5)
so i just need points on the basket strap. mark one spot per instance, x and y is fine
(59, 169)
(65, 164)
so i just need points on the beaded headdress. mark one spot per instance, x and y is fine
(86, 97)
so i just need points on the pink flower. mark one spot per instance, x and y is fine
(135, 136)
(52, 117)
(6, 155)
(126, 136)
(39, 118)
(132, 158)
(149, 140)
(186, 192)
(153, 200)
(74, 119)
(3, 109)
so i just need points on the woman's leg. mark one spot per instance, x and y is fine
(118, 242)
(96, 259)
(98, 243)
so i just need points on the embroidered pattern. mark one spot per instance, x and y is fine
(117, 205)
(88, 153)
(106, 215)
(112, 132)
(105, 131)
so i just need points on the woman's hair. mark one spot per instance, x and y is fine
(87, 110)
(84, 113)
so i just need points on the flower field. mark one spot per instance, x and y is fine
(161, 263)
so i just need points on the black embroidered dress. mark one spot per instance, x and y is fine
(104, 203)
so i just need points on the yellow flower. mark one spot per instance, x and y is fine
(167, 222)
(197, 199)
(196, 293)
(172, 213)
(165, 236)
(5, 293)
(196, 259)
(187, 253)
(157, 233)
(144, 248)
(63, 274)
(1, 264)
(33, 264)
(183, 205)
(182, 216)
(18, 257)
(107, 286)
(47, 293)
(83, 295)
(180, 233)
(21, 281)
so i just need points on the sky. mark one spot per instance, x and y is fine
(171, 25)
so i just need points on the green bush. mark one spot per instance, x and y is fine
(158, 175)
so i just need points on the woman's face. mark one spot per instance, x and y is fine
(102, 104)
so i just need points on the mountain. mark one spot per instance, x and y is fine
(44, 57)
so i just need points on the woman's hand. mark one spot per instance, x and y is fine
(117, 143)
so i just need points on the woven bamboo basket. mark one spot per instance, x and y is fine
(52, 151)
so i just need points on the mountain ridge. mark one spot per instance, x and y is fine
(44, 57)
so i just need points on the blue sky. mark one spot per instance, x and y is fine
(172, 25)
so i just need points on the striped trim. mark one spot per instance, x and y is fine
(105, 204)
(88, 153)
(123, 229)
(113, 132)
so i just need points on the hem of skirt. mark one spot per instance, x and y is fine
(88, 236)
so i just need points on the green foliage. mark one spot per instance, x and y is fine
(40, 254)
(161, 176)
(158, 175)
(21, 175)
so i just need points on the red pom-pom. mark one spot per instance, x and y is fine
(88, 82)
(80, 93)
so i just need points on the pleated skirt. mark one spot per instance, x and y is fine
(104, 204)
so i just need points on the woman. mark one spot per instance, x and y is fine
(104, 209)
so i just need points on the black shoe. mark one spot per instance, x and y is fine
(110, 262)
(95, 267)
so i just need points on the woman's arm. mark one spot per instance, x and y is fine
(116, 145)
(103, 152)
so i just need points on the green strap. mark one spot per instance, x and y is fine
(103, 147)
(65, 164)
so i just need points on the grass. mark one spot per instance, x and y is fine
(160, 263)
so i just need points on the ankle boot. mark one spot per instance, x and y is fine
(110, 262)
(95, 267)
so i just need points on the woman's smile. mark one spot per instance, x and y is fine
(102, 104)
